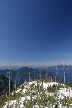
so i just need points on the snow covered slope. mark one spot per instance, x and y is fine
(40, 94)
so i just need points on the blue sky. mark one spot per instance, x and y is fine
(35, 32)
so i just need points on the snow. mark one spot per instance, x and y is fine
(48, 84)
(18, 90)
(62, 92)
(33, 82)
(6, 104)
(65, 92)
(23, 91)
(35, 106)
(22, 99)
(27, 98)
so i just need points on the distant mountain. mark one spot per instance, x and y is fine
(68, 67)
(26, 70)
(19, 76)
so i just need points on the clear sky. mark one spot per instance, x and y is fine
(35, 32)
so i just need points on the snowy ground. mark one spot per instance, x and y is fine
(25, 95)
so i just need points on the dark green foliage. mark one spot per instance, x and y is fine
(4, 85)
